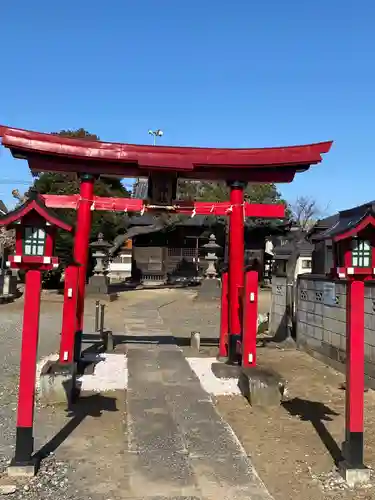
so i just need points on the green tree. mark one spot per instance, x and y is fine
(219, 191)
(109, 223)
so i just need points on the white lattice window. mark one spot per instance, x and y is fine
(361, 253)
(35, 239)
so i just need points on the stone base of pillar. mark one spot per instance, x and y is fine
(209, 290)
(225, 370)
(22, 469)
(354, 476)
(57, 383)
(99, 287)
(5, 299)
(24, 464)
(97, 284)
(261, 386)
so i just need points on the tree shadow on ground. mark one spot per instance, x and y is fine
(286, 331)
(85, 406)
(317, 413)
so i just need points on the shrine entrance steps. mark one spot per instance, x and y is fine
(177, 446)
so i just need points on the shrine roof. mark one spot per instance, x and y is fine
(321, 226)
(141, 189)
(149, 220)
(283, 252)
(34, 203)
(349, 222)
(48, 152)
(3, 208)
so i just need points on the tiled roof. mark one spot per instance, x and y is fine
(140, 189)
(305, 249)
(3, 208)
(344, 221)
(148, 219)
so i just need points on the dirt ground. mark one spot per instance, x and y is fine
(294, 447)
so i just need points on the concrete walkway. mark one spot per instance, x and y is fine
(177, 445)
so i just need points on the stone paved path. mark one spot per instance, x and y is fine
(161, 439)
(177, 446)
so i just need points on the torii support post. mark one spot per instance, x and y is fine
(250, 319)
(69, 321)
(236, 267)
(353, 468)
(81, 249)
(223, 341)
(23, 462)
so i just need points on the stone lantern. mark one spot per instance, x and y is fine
(100, 252)
(99, 282)
(211, 248)
(210, 286)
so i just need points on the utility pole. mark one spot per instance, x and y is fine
(155, 134)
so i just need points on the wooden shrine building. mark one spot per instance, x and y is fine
(176, 252)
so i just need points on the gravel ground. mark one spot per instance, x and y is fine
(52, 481)
(53, 474)
(10, 344)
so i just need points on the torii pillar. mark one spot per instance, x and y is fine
(81, 251)
(236, 266)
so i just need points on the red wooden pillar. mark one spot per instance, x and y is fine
(26, 393)
(223, 341)
(69, 321)
(355, 361)
(236, 266)
(81, 249)
(250, 319)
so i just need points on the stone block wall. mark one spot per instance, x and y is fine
(277, 320)
(321, 322)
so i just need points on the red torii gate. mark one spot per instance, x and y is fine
(236, 255)
(90, 159)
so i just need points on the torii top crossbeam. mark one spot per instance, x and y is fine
(53, 153)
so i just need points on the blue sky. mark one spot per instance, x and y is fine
(223, 74)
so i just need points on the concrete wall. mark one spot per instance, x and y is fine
(321, 322)
(277, 321)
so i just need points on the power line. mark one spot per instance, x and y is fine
(11, 181)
